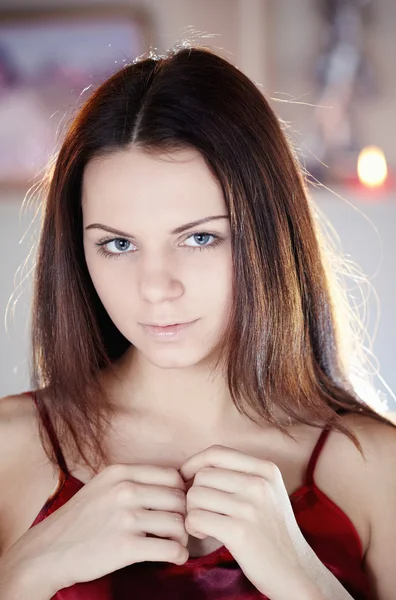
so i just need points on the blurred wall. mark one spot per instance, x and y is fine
(245, 32)
(296, 29)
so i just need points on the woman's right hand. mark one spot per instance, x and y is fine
(105, 526)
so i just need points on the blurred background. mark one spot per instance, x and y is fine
(327, 68)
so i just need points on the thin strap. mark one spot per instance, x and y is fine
(309, 478)
(52, 435)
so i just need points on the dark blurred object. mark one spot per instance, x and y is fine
(345, 76)
(8, 71)
(49, 59)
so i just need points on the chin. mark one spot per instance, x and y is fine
(175, 358)
(168, 361)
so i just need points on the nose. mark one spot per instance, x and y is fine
(159, 282)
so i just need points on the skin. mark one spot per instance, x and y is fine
(171, 410)
(163, 278)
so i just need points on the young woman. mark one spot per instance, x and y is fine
(193, 428)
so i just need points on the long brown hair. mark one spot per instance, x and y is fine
(284, 343)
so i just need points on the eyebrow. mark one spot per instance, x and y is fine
(179, 229)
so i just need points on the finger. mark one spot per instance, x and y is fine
(150, 474)
(226, 480)
(129, 494)
(157, 550)
(228, 458)
(208, 499)
(209, 524)
(160, 523)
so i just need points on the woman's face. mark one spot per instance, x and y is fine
(154, 274)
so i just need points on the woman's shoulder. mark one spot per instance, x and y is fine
(15, 403)
(18, 434)
(375, 494)
(18, 423)
(342, 458)
(24, 468)
(376, 438)
(358, 482)
(377, 469)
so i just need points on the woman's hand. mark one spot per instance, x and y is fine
(105, 527)
(242, 502)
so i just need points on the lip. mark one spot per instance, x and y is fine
(167, 332)
(164, 324)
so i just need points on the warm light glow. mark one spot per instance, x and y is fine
(371, 166)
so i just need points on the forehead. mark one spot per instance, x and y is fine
(137, 183)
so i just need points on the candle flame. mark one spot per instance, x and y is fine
(371, 167)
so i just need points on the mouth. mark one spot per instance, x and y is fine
(164, 325)
(167, 332)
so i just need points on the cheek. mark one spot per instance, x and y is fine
(210, 278)
(113, 285)
(221, 279)
(214, 292)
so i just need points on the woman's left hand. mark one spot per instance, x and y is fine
(242, 502)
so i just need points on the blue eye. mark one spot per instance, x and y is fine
(203, 246)
(122, 245)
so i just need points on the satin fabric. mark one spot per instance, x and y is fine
(217, 576)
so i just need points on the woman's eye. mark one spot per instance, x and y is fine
(120, 246)
(202, 239)
(116, 247)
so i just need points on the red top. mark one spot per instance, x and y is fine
(217, 576)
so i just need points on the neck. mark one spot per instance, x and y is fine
(184, 396)
(190, 402)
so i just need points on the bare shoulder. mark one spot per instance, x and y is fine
(18, 436)
(378, 443)
(377, 485)
(18, 425)
(373, 435)
(14, 404)
(22, 457)
(354, 480)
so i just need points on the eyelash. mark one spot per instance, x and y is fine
(217, 241)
